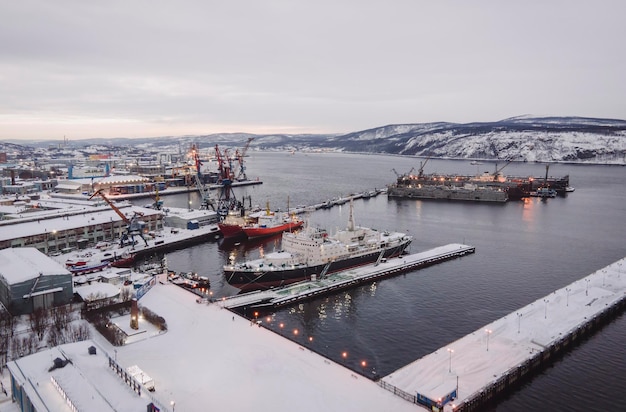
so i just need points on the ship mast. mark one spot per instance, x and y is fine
(351, 224)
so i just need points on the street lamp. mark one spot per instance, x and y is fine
(519, 321)
(568, 290)
(545, 315)
(450, 351)
(488, 332)
(587, 289)
(173, 405)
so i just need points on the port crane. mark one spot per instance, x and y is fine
(227, 200)
(206, 199)
(420, 171)
(134, 225)
(241, 175)
(496, 173)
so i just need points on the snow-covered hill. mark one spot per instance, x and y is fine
(547, 139)
(524, 138)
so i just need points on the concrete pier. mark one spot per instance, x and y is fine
(470, 372)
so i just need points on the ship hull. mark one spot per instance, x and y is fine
(256, 280)
(230, 231)
(449, 193)
(255, 232)
(88, 268)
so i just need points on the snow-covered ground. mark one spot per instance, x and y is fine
(211, 359)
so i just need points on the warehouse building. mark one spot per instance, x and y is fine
(30, 280)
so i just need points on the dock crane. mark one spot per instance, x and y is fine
(420, 171)
(206, 202)
(240, 155)
(402, 177)
(227, 200)
(496, 173)
(134, 225)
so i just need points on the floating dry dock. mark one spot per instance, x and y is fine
(470, 372)
(346, 279)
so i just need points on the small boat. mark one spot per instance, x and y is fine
(569, 189)
(88, 267)
(475, 163)
(544, 192)
(126, 260)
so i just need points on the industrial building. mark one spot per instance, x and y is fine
(30, 280)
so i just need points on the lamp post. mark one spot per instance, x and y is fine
(568, 290)
(488, 332)
(545, 314)
(450, 351)
(587, 289)
(173, 405)
(519, 321)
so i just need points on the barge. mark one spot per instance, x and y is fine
(486, 187)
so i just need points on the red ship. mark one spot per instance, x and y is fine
(271, 223)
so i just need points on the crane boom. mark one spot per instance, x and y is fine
(115, 208)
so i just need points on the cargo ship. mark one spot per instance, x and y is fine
(312, 253)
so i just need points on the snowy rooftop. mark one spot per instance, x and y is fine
(21, 264)
(97, 217)
(114, 179)
(87, 381)
(97, 290)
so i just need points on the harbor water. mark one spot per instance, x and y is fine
(524, 250)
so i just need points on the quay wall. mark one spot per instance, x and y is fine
(516, 376)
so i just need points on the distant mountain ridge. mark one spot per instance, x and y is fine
(523, 138)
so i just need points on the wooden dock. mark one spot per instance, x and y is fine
(297, 292)
(471, 372)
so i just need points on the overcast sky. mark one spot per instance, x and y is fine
(86, 69)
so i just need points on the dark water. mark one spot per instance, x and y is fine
(524, 250)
